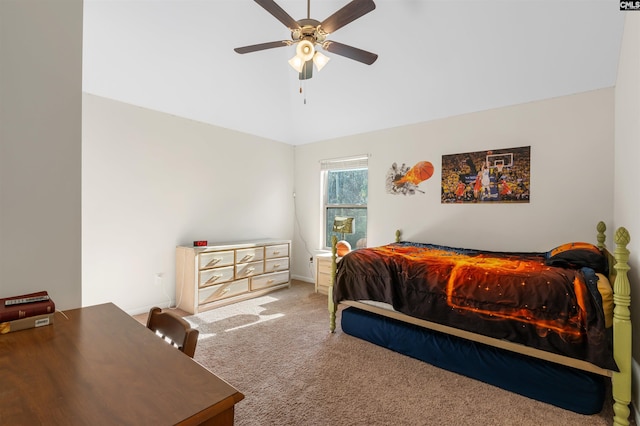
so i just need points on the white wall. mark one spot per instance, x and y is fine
(40, 148)
(627, 150)
(627, 158)
(152, 181)
(571, 141)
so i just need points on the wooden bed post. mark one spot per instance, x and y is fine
(332, 306)
(601, 227)
(621, 381)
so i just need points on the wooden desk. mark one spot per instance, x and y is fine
(101, 367)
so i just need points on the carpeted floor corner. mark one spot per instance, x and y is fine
(277, 350)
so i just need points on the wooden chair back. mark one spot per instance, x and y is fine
(173, 328)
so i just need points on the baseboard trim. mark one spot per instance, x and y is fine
(301, 278)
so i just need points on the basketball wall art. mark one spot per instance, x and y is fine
(493, 176)
(405, 179)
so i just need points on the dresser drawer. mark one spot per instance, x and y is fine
(274, 265)
(215, 276)
(323, 273)
(248, 269)
(323, 281)
(280, 250)
(221, 291)
(324, 265)
(215, 258)
(268, 280)
(249, 255)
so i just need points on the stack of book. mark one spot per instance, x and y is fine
(26, 311)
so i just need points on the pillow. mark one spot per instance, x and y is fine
(577, 255)
(606, 291)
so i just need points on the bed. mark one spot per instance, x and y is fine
(540, 324)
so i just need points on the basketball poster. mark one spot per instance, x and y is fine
(492, 176)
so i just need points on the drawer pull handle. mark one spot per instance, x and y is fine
(247, 257)
(213, 278)
(270, 282)
(277, 265)
(276, 252)
(214, 261)
(249, 271)
(220, 293)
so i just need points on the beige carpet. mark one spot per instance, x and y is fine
(276, 349)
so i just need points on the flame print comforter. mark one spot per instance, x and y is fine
(511, 296)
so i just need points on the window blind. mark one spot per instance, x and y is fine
(359, 162)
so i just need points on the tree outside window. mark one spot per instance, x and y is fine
(346, 194)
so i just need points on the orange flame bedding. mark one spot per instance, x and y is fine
(511, 296)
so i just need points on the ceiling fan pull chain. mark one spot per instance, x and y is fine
(304, 93)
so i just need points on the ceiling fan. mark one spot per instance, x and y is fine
(309, 33)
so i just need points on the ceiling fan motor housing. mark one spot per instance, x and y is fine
(310, 29)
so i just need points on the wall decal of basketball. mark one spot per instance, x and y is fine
(405, 180)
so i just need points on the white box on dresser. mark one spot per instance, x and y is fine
(219, 274)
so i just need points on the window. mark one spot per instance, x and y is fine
(345, 190)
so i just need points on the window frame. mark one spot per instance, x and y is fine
(349, 163)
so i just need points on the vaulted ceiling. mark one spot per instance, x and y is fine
(436, 59)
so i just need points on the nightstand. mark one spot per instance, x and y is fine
(323, 273)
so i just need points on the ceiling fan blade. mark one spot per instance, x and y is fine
(279, 13)
(347, 14)
(262, 46)
(350, 52)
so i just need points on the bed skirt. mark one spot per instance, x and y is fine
(564, 387)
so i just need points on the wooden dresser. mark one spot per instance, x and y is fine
(216, 275)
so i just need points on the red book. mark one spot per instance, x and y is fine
(25, 310)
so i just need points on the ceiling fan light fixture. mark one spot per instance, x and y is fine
(296, 63)
(305, 50)
(320, 60)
